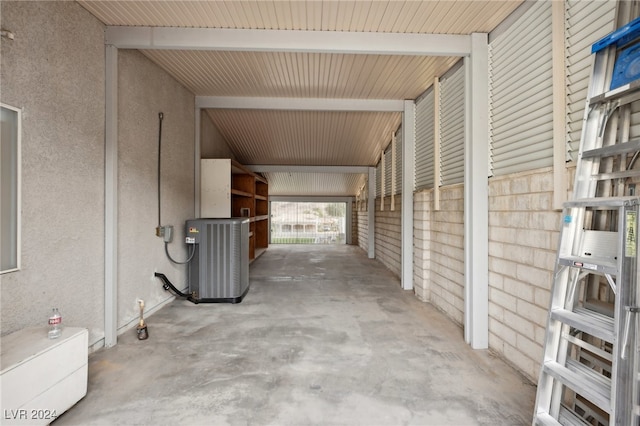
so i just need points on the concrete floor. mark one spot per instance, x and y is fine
(325, 336)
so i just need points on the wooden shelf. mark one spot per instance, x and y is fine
(241, 193)
(228, 189)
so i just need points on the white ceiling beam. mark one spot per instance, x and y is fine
(170, 38)
(299, 104)
(307, 169)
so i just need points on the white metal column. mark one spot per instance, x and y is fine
(371, 214)
(476, 194)
(408, 175)
(111, 198)
(196, 161)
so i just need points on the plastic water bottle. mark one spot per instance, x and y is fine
(55, 324)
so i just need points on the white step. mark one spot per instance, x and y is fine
(624, 94)
(597, 265)
(570, 418)
(611, 150)
(545, 419)
(603, 202)
(590, 322)
(582, 380)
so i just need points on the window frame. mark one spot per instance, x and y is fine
(18, 190)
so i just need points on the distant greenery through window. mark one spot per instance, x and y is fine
(308, 223)
(10, 129)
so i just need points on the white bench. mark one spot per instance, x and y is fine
(41, 378)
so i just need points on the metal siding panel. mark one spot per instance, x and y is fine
(305, 137)
(286, 137)
(387, 171)
(314, 184)
(521, 109)
(399, 136)
(379, 180)
(444, 17)
(586, 23)
(424, 141)
(452, 128)
(317, 75)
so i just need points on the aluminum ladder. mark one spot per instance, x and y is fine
(589, 373)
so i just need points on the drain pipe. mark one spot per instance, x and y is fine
(168, 285)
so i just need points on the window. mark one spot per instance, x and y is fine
(308, 222)
(10, 131)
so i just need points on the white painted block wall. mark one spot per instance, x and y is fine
(362, 227)
(388, 234)
(523, 238)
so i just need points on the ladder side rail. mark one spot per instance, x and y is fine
(623, 379)
(594, 117)
(625, 130)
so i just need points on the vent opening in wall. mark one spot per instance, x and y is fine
(308, 223)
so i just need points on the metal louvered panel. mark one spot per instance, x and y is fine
(399, 136)
(452, 127)
(315, 184)
(424, 140)
(378, 179)
(521, 104)
(586, 23)
(445, 17)
(388, 158)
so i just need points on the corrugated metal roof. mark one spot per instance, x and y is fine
(317, 184)
(423, 17)
(309, 138)
(305, 137)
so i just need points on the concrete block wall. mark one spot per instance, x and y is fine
(363, 229)
(523, 239)
(354, 224)
(447, 253)
(422, 202)
(388, 234)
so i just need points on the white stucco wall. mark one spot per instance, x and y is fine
(144, 91)
(54, 70)
(212, 143)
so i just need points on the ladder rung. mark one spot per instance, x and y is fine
(566, 418)
(601, 266)
(616, 175)
(611, 150)
(582, 380)
(592, 323)
(625, 94)
(603, 202)
(570, 418)
(545, 419)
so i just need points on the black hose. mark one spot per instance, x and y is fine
(167, 285)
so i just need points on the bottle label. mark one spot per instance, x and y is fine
(55, 320)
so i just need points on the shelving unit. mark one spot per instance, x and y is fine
(228, 189)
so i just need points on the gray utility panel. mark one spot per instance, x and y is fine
(219, 270)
